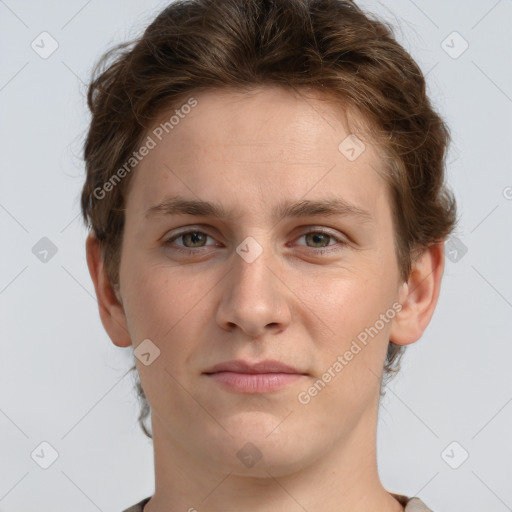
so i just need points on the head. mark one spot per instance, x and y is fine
(252, 106)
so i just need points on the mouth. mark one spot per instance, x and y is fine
(262, 377)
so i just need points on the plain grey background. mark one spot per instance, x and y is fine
(445, 423)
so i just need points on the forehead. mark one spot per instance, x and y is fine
(259, 143)
(266, 116)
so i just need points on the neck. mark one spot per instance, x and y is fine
(344, 479)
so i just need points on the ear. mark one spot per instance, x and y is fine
(111, 311)
(419, 296)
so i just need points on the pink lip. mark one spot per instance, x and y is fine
(261, 377)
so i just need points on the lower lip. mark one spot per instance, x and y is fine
(254, 382)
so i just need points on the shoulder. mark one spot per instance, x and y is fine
(411, 504)
(138, 507)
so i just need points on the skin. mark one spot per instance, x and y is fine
(249, 153)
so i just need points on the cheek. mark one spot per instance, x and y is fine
(155, 303)
(348, 314)
(345, 301)
(164, 299)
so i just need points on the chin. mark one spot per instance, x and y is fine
(259, 447)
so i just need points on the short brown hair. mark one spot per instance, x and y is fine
(327, 45)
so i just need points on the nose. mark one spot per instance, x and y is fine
(255, 299)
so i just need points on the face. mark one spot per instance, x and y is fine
(298, 265)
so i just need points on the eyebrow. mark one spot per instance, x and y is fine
(178, 205)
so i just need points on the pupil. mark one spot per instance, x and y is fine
(196, 237)
(318, 237)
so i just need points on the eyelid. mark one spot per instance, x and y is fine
(314, 229)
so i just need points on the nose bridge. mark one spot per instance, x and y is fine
(251, 266)
(253, 299)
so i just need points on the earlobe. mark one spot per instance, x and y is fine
(419, 296)
(110, 308)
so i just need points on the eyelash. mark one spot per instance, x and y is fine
(189, 251)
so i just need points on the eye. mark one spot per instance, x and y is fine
(190, 239)
(320, 239)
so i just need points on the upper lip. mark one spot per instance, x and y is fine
(241, 366)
